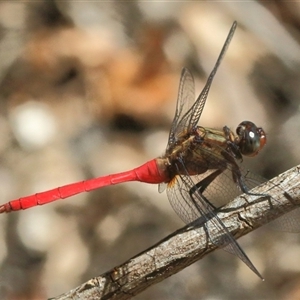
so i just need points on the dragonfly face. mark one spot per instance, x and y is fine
(251, 139)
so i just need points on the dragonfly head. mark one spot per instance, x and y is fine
(251, 139)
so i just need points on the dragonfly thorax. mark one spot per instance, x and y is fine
(197, 152)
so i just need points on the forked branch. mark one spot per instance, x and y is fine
(189, 244)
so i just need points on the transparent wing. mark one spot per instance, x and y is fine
(191, 206)
(179, 197)
(216, 186)
(288, 222)
(185, 99)
(188, 112)
(196, 110)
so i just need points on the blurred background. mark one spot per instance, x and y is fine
(89, 88)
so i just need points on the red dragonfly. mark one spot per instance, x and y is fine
(195, 159)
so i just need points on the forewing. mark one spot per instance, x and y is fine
(197, 108)
(188, 111)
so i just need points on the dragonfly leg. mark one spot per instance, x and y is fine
(202, 185)
(233, 147)
(238, 178)
(208, 209)
(289, 197)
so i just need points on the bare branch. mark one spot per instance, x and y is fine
(189, 244)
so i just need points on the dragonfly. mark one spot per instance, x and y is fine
(195, 158)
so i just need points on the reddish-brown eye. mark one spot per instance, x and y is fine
(251, 138)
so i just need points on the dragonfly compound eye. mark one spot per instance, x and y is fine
(251, 139)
